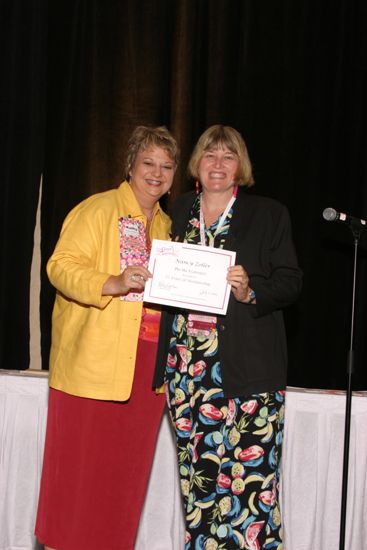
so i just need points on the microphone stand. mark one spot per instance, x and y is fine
(356, 230)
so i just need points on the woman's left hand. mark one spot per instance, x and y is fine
(238, 278)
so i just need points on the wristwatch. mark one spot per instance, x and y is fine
(251, 296)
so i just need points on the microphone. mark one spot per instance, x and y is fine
(331, 215)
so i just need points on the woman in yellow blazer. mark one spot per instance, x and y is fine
(103, 416)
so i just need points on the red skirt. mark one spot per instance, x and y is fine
(97, 461)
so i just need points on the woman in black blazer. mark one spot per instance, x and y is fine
(225, 376)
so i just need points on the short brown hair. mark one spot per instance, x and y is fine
(214, 137)
(144, 137)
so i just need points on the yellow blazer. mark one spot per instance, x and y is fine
(94, 337)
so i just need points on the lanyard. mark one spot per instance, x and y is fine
(221, 221)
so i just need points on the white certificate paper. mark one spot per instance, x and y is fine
(189, 276)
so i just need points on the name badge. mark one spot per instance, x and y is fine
(130, 230)
(201, 325)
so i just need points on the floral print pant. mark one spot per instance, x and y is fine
(228, 451)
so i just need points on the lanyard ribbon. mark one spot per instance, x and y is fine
(221, 221)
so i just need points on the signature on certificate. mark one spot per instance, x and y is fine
(206, 292)
(162, 285)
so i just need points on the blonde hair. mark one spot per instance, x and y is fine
(144, 137)
(216, 137)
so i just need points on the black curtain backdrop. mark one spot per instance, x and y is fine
(290, 76)
(22, 44)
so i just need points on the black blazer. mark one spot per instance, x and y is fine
(252, 340)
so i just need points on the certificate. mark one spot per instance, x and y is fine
(189, 276)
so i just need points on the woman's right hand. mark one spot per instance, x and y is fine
(133, 278)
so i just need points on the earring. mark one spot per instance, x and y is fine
(197, 187)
